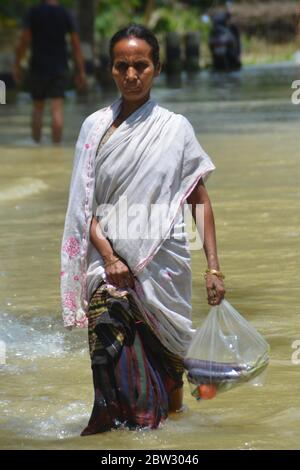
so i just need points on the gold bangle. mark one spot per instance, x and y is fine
(219, 274)
(111, 262)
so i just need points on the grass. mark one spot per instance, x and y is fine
(258, 51)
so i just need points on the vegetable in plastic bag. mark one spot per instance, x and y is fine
(225, 352)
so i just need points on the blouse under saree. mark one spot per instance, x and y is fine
(152, 160)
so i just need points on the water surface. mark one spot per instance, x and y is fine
(246, 122)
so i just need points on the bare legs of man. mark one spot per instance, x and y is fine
(57, 113)
(37, 119)
(57, 117)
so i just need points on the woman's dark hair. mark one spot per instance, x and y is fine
(136, 31)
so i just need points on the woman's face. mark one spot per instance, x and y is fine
(133, 70)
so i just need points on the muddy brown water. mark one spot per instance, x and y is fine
(246, 122)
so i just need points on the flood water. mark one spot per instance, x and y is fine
(248, 125)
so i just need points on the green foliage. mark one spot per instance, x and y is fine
(203, 5)
(168, 16)
(179, 18)
(176, 18)
(113, 15)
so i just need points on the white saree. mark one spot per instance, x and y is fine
(153, 159)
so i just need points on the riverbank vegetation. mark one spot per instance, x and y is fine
(269, 28)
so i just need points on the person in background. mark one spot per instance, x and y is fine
(225, 44)
(45, 28)
(234, 30)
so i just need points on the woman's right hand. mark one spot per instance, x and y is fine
(119, 274)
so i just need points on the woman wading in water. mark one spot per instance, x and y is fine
(129, 281)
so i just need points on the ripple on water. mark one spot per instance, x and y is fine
(63, 423)
(24, 187)
(41, 337)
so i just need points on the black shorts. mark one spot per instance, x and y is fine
(42, 88)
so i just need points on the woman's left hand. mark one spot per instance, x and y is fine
(215, 289)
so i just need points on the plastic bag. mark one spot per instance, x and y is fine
(225, 352)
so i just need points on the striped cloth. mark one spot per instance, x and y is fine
(133, 373)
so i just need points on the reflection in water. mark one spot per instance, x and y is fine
(247, 124)
(174, 80)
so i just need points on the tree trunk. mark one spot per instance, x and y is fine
(86, 16)
(150, 5)
(86, 13)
